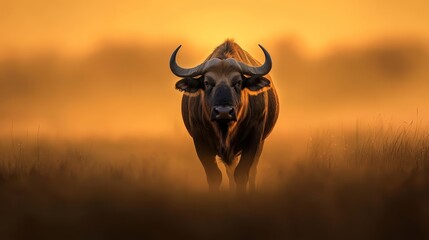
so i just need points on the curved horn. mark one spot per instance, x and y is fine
(261, 70)
(184, 72)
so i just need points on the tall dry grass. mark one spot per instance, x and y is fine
(371, 183)
(377, 147)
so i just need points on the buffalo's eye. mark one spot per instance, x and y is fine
(237, 83)
(208, 84)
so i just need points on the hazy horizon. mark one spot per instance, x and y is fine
(100, 68)
(124, 89)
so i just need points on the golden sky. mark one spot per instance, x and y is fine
(106, 89)
(79, 25)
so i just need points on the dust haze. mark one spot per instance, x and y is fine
(96, 141)
(122, 89)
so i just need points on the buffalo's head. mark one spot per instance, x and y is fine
(222, 82)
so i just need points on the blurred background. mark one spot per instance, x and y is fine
(77, 69)
(92, 143)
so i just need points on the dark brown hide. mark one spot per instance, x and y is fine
(253, 100)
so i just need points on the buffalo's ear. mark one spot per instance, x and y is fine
(256, 83)
(189, 84)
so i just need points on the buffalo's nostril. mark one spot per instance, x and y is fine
(223, 109)
(223, 113)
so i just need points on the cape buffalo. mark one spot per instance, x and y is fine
(229, 107)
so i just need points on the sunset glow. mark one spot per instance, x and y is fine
(93, 142)
(83, 68)
(78, 26)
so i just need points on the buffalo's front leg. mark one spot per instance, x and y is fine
(254, 168)
(249, 158)
(208, 159)
(230, 169)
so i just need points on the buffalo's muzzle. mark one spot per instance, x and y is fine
(223, 113)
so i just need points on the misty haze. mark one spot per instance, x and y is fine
(93, 145)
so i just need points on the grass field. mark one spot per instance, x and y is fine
(369, 183)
